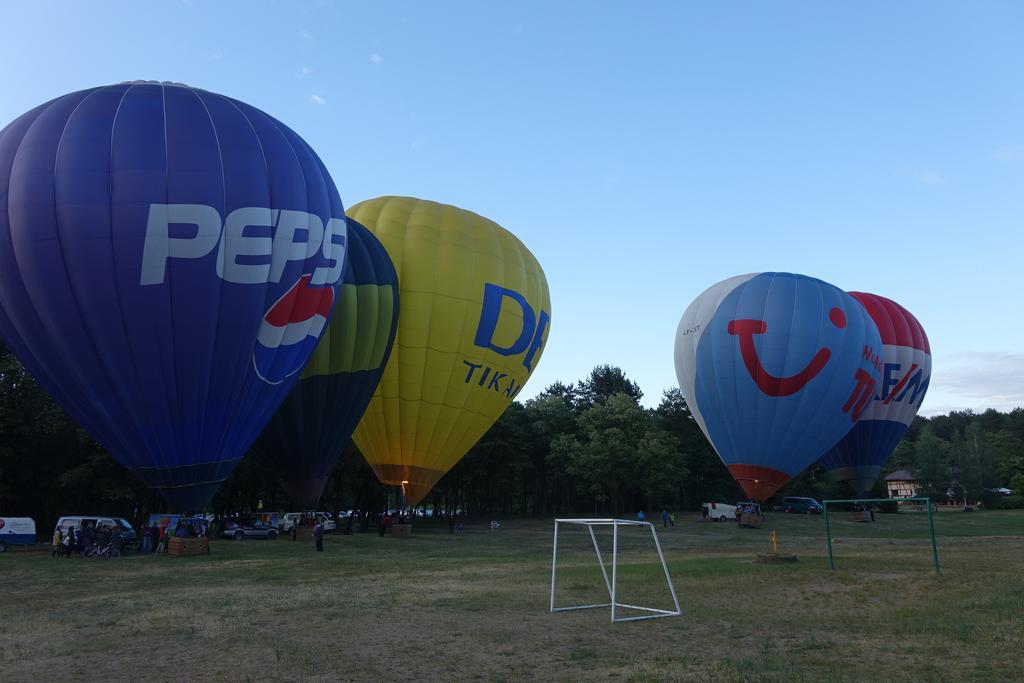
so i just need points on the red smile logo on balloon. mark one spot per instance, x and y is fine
(768, 383)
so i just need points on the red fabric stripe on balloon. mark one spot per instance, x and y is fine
(301, 303)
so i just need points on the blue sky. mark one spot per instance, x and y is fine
(642, 151)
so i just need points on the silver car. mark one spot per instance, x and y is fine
(247, 527)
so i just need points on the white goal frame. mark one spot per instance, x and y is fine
(612, 585)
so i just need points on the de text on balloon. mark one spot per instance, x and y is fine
(531, 333)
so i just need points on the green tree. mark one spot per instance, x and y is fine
(904, 457)
(661, 466)
(604, 458)
(1007, 456)
(931, 456)
(566, 393)
(946, 427)
(605, 381)
(706, 476)
(548, 417)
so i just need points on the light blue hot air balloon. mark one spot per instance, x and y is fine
(775, 368)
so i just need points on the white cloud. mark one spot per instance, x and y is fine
(316, 99)
(1009, 153)
(306, 70)
(978, 380)
(375, 58)
(306, 35)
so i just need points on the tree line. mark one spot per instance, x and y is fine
(587, 447)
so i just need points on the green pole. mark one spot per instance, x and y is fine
(931, 525)
(828, 538)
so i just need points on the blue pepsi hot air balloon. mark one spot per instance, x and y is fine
(775, 368)
(168, 260)
(906, 371)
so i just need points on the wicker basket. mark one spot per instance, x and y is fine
(181, 547)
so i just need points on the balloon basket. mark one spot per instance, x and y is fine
(303, 533)
(776, 558)
(863, 516)
(751, 521)
(401, 530)
(185, 547)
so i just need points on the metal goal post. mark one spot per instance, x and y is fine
(612, 584)
(853, 501)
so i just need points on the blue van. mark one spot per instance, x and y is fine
(16, 531)
(803, 506)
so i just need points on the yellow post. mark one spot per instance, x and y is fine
(775, 543)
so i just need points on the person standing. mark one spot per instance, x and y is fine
(318, 535)
(88, 535)
(102, 536)
(55, 542)
(664, 519)
(68, 542)
(641, 516)
(154, 537)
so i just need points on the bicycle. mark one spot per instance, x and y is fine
(107, 552)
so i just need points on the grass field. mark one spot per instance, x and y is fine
(475, 606)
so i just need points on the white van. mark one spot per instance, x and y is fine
(718, 512)
(290, 519)
(16, 531)
(128, 535)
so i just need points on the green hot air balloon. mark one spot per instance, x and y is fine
(307, 434)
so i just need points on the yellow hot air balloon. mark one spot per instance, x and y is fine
(475, 315)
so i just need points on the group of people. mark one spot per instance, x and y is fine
(68, 541)
(154, 536)
(388, 520)
(667, 518)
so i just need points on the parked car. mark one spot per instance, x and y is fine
(718, 512)
(247, 527)
(327, 521)
(16, 531)
(806, 506)
(128, 535)
(290, 519)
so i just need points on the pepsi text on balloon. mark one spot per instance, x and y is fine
(254, 243)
